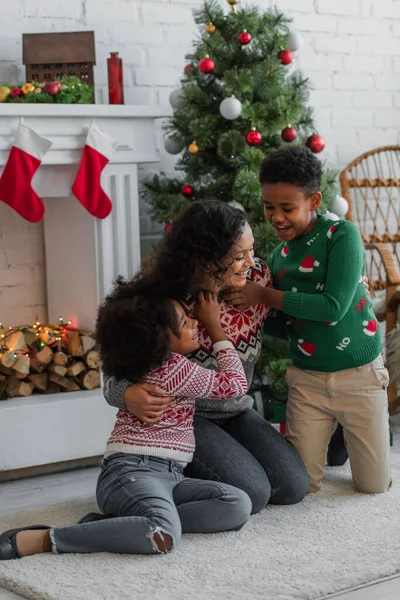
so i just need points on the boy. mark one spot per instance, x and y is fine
(338, 372)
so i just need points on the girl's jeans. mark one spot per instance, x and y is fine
(149, 495)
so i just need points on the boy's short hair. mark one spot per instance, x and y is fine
(131, 328)
(296, 165)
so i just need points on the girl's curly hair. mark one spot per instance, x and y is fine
(131, 327)
(199, 242)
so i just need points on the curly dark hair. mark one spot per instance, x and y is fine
(199, 241)
(296, 165)
(131, 327)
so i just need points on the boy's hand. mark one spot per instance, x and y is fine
(207, 310)
(249, 295)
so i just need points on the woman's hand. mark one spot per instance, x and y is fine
(147, 402)
(249, 295)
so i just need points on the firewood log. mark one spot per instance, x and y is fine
(90, 380)
(45, 356)
(88, 343)
(73, 386)
(8, 359)
(52, 388)
(92, 359)
(16, 341)
(17, 388)
(22, 365)
(60, 358)
(74, 344)
(39, 381)
(58, 379)
(75, 369)
(58, 369)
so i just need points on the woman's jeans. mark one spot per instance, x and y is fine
(247, 452)
(148, 495)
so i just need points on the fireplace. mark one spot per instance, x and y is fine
(83, 257)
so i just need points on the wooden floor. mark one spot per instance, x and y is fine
(50, 489)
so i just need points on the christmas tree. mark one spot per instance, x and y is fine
(239, 99)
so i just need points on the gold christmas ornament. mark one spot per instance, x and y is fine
(193, 148)
(4, 93)
(210, 28)
(27, 88)
(232, 4)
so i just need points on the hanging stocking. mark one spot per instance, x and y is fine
(86, 187)
(25, 158)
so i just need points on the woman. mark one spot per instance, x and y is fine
(210, 247)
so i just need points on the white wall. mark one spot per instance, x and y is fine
(351, 55)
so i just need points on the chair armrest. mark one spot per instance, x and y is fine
(388, 261)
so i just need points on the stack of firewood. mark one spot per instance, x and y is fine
(46, 360)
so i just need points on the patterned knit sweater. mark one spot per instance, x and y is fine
(326, 315)
(243, 328)
(173, 436)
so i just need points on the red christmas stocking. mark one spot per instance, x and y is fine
(86, 187)
(25, 158)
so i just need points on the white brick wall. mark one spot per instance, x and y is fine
(351, 55)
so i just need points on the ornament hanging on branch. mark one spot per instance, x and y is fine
(295, 41)
(193, 148)
(175, 97)
(244, 38)
(230, 108)
(316, 143)
(187, 190)
(289, 134)
(188, 68)
(206, 65)
(172, 146)
(286, 57)
(168, 227)
(232, 4)
(254, 137)
(210, 28)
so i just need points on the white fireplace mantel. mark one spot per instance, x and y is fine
(83, 257)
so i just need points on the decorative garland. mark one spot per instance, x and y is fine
(66, 90)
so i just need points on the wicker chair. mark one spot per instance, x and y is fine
(371, 186)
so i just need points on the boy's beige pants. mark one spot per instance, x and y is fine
(357, 399)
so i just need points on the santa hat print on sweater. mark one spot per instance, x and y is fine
(370, 327)
(285, 251)
(306, 348)
(308, 264)
(331, 230)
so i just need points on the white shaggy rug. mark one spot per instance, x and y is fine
(333, 540)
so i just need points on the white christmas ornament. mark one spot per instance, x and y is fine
(339, 206)
(175, 97)
(172, 146)
(230, 108)
(295, 41)
(331, 216)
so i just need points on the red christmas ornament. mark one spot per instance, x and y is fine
(188, 69)
(245, 38)
(187, 190)
(168, 227)
(206, 65)
(289, 134)
(286, 57)
(15, 92)
(254, 137)
(316, 143)
(52, 88)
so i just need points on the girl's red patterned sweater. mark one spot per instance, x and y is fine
(173, 436)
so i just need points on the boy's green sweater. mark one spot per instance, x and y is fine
(326, 315)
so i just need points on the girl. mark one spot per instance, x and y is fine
(143, 336)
